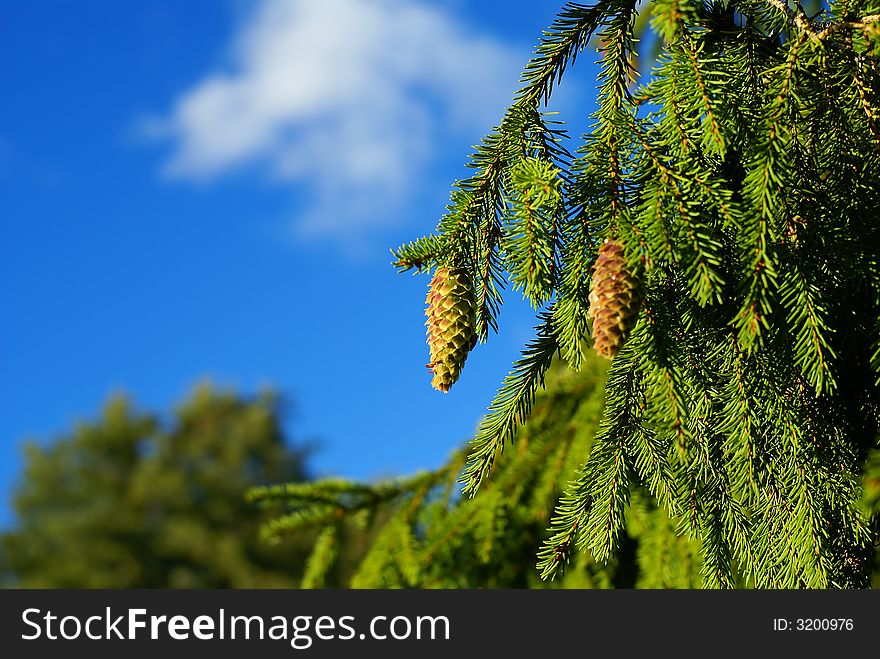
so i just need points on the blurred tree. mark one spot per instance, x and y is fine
(130, 502)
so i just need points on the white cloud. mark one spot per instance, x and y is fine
(348, 97)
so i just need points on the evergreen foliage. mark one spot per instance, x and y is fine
(423, 535)
(131, 501)
(427, 536)
(741, 176)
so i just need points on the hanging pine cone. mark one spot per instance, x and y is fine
(615, 294)
(451, 324)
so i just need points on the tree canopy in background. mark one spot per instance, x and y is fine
(133, 501)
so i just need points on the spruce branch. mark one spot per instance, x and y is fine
(421, 254)
(321, 559)
(531, 228)
(511, 404)
(808, 317)
(590, 514)
(332, 500)
(560, 45)
(565, 531)
(714, 141)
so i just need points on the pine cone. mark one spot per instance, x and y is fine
(451, 324)
(615, 294)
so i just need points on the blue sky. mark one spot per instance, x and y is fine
(208, 190)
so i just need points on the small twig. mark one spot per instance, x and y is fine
(799, 17)
(801, 21)
(862, 24)
(859, 57)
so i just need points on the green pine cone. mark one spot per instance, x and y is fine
(451, 324)
(615, 295)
